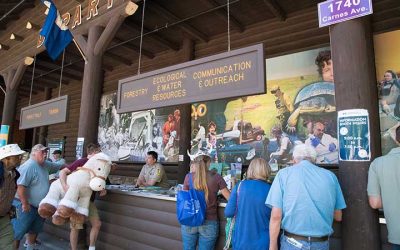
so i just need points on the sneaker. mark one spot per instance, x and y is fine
(37, 243)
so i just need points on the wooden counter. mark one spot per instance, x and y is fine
(146, 221)
(141, 221)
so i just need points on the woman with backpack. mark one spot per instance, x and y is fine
(205, 235)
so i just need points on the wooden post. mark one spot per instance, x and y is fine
(99, 38)
(186, 119)
(43, 129)
(91, 89)
(355, 87)
(12, 77)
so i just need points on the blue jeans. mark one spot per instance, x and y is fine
(305, 245)
(395, 247)
(26, 222)
(206, 235)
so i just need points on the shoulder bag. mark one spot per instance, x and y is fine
(230, 224)
(191, 206)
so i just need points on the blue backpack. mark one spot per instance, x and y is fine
(191, 206)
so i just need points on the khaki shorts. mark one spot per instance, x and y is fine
(93, 214)
(6, 234)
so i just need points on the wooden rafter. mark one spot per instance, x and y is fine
(222, 13)
(276, 9)
(129, 45)
(135, 27)
(161, 11)
(118, 58)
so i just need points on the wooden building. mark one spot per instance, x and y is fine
(175, 32)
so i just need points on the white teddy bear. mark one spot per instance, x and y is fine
(74, 203)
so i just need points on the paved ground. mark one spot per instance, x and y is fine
(50, 242)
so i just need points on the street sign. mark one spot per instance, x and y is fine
(336, 11)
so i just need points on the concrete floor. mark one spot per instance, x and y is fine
(49, 242)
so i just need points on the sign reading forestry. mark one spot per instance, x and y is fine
(231, 74)
(45, 113)
(336, 11)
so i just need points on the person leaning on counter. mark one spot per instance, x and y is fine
(153, 173)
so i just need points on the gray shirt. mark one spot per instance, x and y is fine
(384, 181)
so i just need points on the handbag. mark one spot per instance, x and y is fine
(191, 206)
(230, 224)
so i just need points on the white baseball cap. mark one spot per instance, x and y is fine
(10, 150)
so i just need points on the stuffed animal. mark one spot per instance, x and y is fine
(74, 203)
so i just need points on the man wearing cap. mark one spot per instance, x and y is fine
(10, 158)
(283, 104)
(33, 185)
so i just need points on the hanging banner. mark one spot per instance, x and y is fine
(354, 135)
(236, 73)
(79, 147)
(4, 130)
(45, 113)
(337, 11)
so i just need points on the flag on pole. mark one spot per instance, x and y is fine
(56, 34)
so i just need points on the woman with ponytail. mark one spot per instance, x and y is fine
(206, 235)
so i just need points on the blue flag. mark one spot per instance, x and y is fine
(56, 34)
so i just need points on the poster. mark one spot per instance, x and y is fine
(299, 107)
(129, 136)
(387, 66)
(79, 147)
(55, 144)
(354, 135)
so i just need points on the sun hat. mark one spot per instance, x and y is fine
(10, 150)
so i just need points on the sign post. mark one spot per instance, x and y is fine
(336, 11)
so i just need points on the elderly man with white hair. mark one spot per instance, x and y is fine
(304, 199)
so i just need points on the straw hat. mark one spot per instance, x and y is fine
(10, 150)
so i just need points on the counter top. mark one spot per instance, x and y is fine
(160, 194)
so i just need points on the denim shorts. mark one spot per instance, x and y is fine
(205, 236)
(26, 222)
(287, 244)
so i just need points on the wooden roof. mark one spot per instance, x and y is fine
(166, 23)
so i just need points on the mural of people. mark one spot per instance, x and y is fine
(308, 77)
(387, 68)
(129, 136)
(283, 104)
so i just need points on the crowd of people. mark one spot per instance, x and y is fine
(295, 211)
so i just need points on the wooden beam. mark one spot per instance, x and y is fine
(16, 37)
(133, 26)
(223, 14)
(161, 11)
(129, 45)
(82, 42)
(108, 34)
(118, 58)
(276, 9)
(26, 90)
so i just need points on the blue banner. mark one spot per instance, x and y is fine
(56, 33)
